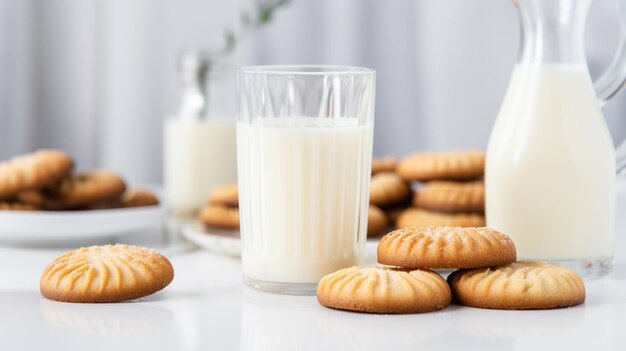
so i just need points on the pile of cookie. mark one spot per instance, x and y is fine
(450, 191)
(44, 180)
(222, 208)
(487, 275)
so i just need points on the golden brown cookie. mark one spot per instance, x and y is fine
(521, 285)
(16, 206)
(387, 189)
(383, 290)
(137, 197)
(445, 247)
(451, 196)
(386, 164)
(110, 273)
(376, 221)
(226, 195)
(456, 165)
(418, 217)
(33, 171)
(220, 216)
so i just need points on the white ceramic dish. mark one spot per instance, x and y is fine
(227, 242)
(26, 227)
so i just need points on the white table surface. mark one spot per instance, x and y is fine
(208, 308)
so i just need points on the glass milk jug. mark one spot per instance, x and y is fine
(551, 166)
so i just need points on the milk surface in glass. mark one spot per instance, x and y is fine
(550, 170)
(304, 189)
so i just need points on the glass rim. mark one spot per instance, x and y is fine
(305, 70)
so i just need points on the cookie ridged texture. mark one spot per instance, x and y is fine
(383, 290)
(388, 188)
(460, 165)
(227, 195)
(446, 247)
(377, 221)
(220, 216)
(451, 196)
(418, 217)
(520, 285)
(33, 171)
(110, 273)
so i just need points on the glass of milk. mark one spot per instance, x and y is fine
(304, 150)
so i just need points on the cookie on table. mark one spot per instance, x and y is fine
(377, 221)
(385, 164)
(383, 290)
(220, 216)
(138, 197)
(110, 273)
(33, 171)
(226, 195)
(418, 217)
(455, 165)
(388, 188)
(518, 286)
(17, 206)
(451, 196)
(446, 247)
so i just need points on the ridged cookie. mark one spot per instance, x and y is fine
(220, 216)
(456, 165)
(377, 221)
(226, 195)
(445, 247)
(386, 164)
(383, 290)
(518, 286)
(33, 171)
(110, 273)
(418, 217)
(388, 189)
(451, 196)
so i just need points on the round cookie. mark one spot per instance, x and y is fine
(418, 217)
(388, 188)
(385, 164)
(110, 273)
(451, 196)
(376, 221)
(456, 165)
(518, 286)
(17, 206)
(137, 197)
(383, 290)
(33, 171)
(445, 247)
(220, 216)
(226, 195)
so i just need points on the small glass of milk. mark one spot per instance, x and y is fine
(304, 150)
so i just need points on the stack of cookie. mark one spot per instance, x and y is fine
(222, 208)
(44, 180)
(451, 192)
(389, 195)
(487, 275)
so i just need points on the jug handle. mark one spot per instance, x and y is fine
(613, 80)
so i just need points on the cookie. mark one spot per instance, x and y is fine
(383, 290)
(16, 206)
(386, 164)
(376, 221)
(451, 196)
(110, 273)
(418, 217)
(521, 285)
(445, 247)
(387, 189)
(33, 171)
(220, 216)
(227, 195)
(459, 165)
(137, 197)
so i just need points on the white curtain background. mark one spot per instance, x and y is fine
(97, 77)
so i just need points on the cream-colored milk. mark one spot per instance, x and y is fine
(303, 196)
(551, 168)
(199, 154)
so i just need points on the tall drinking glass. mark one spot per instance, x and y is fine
(304, 153)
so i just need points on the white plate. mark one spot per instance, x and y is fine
(227, 242)
(36, 227)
